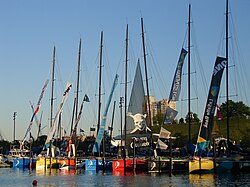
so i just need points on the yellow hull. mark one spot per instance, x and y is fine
(43, 163)
(201, 165)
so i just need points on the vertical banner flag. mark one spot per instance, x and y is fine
(207, 122)
(100, 134)
(176, 85)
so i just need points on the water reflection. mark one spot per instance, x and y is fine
(75, 178)
(202, 179)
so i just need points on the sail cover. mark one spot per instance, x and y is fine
(207, 122)
(176, 85)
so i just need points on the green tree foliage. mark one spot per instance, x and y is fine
(158, 119)
(235, 110)
(194, 117)
(181, 121)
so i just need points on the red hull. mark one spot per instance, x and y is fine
(140, 165)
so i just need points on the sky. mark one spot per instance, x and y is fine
(31, 29)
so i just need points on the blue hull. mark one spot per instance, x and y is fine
(23, 163)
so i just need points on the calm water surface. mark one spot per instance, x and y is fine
(18, 177)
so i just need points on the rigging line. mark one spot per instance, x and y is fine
(197, 56)
(185, 39)
(239, 59)
(156, 71)
(220, 49)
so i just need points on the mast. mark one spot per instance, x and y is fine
(39, 125)
(112, 124)
(77, 83)
(146, 74)
(52, 89)
(189, 94)
(100, 85)
(125, 96)
(227, 94)
(72, 120)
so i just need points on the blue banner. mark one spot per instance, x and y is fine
(169, 115)
(176, 85)
(207, 122)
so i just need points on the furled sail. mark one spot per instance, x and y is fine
(37, 109)
(56, 119)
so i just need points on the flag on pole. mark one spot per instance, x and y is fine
(161, 145)
(164, 133)
(170, 115)
(86, 98)
(218, 113)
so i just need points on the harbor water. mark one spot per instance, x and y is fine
(51, 178)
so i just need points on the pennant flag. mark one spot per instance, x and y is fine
(92, 129)
(86, 98)
(161, 145)
(170, 115)
(164, 133)
(218, 113)
(81, 130)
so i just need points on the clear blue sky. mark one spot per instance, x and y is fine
(30, 30)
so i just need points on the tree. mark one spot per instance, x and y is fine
(235, 109)
(181, 121)
(194, 117)
(158, 119)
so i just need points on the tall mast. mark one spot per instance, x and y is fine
(126, 80)
(227, 74)
(77, 83)
(112, 124)
(52, 89)
(189, 94)
(100, 85)
(146, 74)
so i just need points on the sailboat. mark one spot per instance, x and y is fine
(216, 164)
(199, 163)
(161, 163)
(135, 121)
(167, 164)
(50, 160)
(93, 165)
(135, 107)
